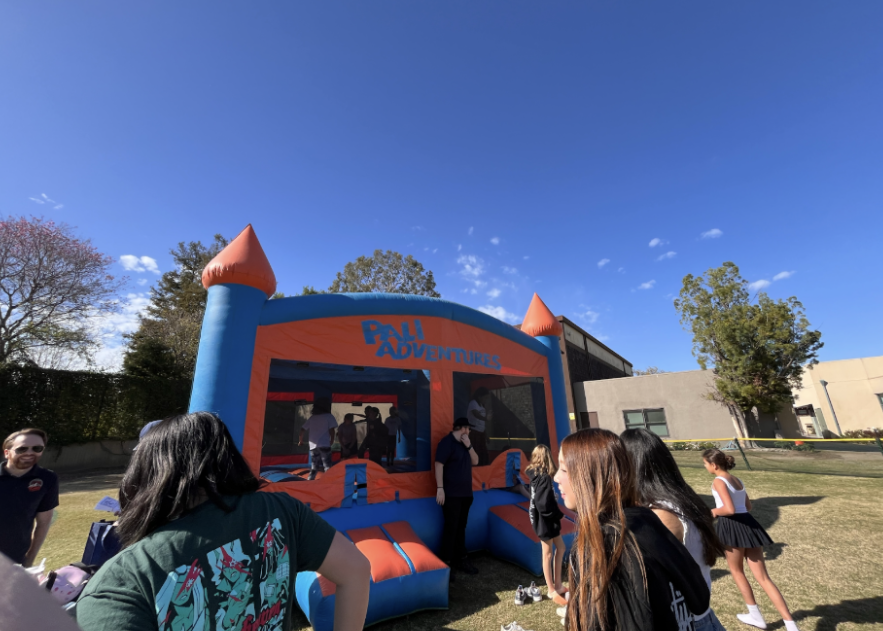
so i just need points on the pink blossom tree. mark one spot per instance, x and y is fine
(51, 285)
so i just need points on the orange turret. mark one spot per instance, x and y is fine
(539, 320)
(242, 262)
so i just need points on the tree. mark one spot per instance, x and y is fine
(650, 370)
(51, 285)
(167, 339)
(757, 349)
(386, 272)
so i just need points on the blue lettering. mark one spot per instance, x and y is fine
(404, 351)
(419, 329)
(393, 333)
(485, 358)
(432, 353)
(406, 333)
(495, 362)
(370, 329)
(470, 359)
(458, 352)
(386, 349)
(444, 353)
(419, 349)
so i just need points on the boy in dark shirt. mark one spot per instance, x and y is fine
(454, 459)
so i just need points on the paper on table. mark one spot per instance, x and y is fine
(109, 504)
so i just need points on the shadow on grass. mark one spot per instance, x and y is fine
(86, 481)
(863, 610)
(767, 510)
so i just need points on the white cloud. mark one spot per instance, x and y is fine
(470, 230)
(418, 228)
(133, 263)
(494, 293)
(657, 241)
(783, 275)
(34, 199)
(142, 281)
(602, 263)
(435, 250)
(648, 285)
(109, 328)
(758, 285)
(495, 240)
(472, 266)
(500, 314)
(45, 199)
(526, 257)
(667, 255)
(588, 316)
(459, 247)
(714, 233)
(621, 270)
(510, 270)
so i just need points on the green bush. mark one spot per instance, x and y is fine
(79, 407)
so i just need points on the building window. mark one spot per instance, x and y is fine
(880, 397)
(654, 420)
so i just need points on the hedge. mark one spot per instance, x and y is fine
(79, 407)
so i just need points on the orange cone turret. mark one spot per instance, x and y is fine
(539, 320)
(242, 262)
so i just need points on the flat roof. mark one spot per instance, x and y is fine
(573, 325)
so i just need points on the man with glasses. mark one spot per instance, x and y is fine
(29, 493)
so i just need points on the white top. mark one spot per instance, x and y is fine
(393, 425)
(692, 540)
(317, 426)
(476, 423)
(738, 497)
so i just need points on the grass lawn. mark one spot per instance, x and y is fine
(829, 531)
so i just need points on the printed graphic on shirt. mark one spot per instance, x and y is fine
(680, 610)
(243, 584)
(35, 485)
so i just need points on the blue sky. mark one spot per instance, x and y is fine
(510, 146)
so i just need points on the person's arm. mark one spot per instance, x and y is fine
(747, 501)
(300, 437)
(728, 508)
(44, 519)
(670, 521)
(350, 571)
(331, 429)
(439, 482)
(473, 456)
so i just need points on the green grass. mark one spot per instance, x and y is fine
(829, 531)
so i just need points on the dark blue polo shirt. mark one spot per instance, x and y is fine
(22, 498)
(457, 477)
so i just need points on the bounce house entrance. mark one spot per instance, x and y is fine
(294, 389)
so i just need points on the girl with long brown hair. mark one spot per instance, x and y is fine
(627, 571)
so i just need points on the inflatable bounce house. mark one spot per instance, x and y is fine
(263, 363)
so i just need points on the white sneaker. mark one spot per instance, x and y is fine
(520, 596)
(561, 611)
(512, 626)
(748, 618)
(534, 592)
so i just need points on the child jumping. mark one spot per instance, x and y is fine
(545, 517)
(743, 537)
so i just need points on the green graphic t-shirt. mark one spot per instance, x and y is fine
(211, 570)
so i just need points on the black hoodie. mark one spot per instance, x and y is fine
(675, 589)
(545, 514)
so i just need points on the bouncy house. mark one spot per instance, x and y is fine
(263, 363)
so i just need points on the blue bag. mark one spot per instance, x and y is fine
(102, 543)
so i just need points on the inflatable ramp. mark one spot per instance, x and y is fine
(406, 577)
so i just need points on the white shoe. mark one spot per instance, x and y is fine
(748, 618)
(520, 597)
(534, 592)
(512, 626)
(561, 611)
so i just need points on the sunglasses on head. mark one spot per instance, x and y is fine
(37, 449)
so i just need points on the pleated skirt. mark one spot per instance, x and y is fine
(741, 531)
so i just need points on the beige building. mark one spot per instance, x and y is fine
(674, 405)
(855, 388)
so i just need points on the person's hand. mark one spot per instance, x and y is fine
(440, 497)
(300, 442)
(465, 440)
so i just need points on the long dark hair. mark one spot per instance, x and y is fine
(659, 479)
(603, 486)
(179, 463)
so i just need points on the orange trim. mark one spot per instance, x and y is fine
(385, 560)
(421, 556)
(539, 320)
(328, 588)
(242, 262)
(289, 396)
(516, 518)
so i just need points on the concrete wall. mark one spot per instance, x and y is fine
(853, 385)
(683, 395)
(108, 454)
